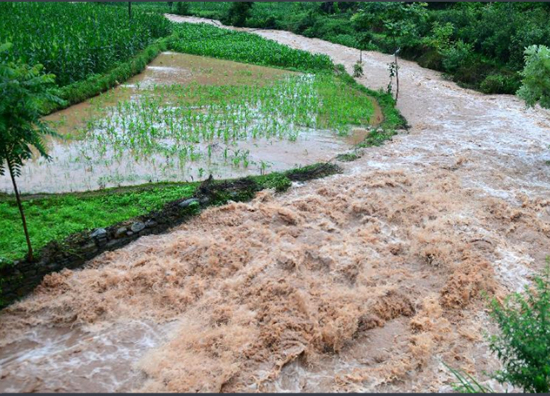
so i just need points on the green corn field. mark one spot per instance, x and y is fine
(76, 40)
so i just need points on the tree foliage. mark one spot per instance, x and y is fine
(182, 7)
(238, 13)
(536, 76)
(480, 45)
(23, 91)
(396, 20)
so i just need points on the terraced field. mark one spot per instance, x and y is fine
(186, 117)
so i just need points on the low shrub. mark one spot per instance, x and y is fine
(523, 344)
(500, 83)
(523, 341)
(182, 8)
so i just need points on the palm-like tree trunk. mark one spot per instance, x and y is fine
(30, 255)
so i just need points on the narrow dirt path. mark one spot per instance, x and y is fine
(365, 281)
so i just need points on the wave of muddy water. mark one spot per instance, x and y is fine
(91, 160)
(365, 281)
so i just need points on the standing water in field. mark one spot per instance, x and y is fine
(187, 117)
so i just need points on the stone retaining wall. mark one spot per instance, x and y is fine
(20, 279)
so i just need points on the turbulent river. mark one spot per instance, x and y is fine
(365, 281)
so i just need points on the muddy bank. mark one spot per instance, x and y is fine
(365, 281)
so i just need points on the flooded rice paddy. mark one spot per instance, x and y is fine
(186, 117)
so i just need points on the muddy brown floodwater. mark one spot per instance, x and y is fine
(365, 281)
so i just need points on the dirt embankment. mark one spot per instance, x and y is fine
(365, 281)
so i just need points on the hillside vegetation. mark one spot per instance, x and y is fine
(479, 45)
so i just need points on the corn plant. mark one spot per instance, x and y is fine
(76, 40)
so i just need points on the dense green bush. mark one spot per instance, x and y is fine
(523, 344)
(499, 83)
(209, 40)
(456, 55)
(479, 45)
(536, 76)
(238, 13)
(182, 8)
(77, 40)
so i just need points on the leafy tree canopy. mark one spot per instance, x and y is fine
(23, 92)
(536, 76)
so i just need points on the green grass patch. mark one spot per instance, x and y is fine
(54, 217)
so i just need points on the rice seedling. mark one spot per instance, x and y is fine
(176, 130)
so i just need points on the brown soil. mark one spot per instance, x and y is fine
(365, 281)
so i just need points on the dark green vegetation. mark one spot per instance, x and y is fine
(522, 343)
(76, 41)
(536, 77)
(243, 47)
(479, 45)
(238, 13)
(98, 83)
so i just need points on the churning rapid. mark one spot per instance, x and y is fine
(365, 281)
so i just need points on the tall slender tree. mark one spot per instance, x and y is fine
(23, 92)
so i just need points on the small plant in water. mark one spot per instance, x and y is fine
(358, 69)
(467, 383)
